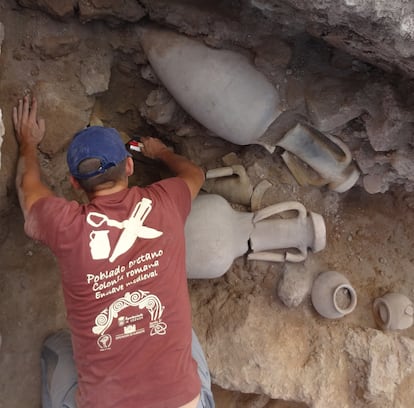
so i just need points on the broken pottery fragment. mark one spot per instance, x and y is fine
(291, 237)
(216, 234)
(393, 311)
(258, 193)
(231, 182)
(318, 159)
(219, 88)
(332, 295)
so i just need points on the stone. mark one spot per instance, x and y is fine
(1, 34)
(272, 57)
(374, 183)
(379, 362)
(389, 124)
(333, 102)
(55, 46)
(126, 10)
(373, 29)
(1, 133)
(67, 111)
(403, 163)
(96, 73)
(60, 9)
(159, 107)
(1, 115)
(294, 285)
(148, 74)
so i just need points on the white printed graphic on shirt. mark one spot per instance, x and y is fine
(142, 300)
(133, 228)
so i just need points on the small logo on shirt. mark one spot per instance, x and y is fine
(104, 342)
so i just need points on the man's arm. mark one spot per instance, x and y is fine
(29, 133)
(182, 167)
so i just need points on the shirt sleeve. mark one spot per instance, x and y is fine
(47, 217)
(177, 191)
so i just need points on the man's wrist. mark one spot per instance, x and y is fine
(25, 148)
(163, 153)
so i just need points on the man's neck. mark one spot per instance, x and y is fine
(107, 191)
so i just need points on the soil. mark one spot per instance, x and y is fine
(370, 239)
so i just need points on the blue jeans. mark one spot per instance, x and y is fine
(60, 379)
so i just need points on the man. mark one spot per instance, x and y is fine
(122, 262)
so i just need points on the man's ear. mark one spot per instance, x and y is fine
(129, 167)
(75, 183)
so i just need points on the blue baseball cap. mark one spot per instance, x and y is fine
(95, 142)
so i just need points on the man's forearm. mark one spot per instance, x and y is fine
(178, 164)
(28, 178)
(184, 168)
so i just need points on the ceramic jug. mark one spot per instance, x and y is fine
(293, 235)
(318, 159)
(231, 182)
(216, 235)
(99, 244)
(393, 311)
(219, 88)
(332, 295)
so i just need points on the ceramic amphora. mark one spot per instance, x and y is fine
(332, 295)
(216, 235)
(219, 88)
(293, 235)
(318, 159)
(231, 182)
(393, 311)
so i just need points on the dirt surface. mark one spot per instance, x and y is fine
(370, 240)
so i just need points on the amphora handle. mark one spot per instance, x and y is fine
(279, 208)
(219, 172)
(345, 149)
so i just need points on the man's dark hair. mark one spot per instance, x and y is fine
(105, 180)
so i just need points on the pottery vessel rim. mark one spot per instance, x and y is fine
(352, 302)
(346, 183)
(319, 232)
(324, 294)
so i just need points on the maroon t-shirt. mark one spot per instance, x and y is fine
(122, 259)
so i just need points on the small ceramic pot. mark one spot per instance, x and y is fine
(393, 311)
(332, 295)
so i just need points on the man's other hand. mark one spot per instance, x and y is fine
(29, 129)
(152, 147)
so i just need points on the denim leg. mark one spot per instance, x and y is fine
(59, 376)
(206, 396)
